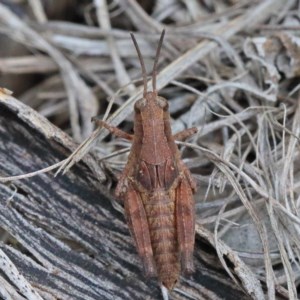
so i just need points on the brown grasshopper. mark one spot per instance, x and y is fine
(157, 187)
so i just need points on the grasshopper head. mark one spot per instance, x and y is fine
(153, 102)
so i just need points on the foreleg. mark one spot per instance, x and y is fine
(114, 130)
(184, 134)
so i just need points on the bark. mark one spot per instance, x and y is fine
(65, 237)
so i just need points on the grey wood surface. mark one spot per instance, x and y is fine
(62, 236)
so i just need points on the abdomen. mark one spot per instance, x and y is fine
(160, 211)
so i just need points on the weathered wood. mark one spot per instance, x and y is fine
(68, 240)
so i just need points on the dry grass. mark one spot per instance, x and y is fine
(228, 67)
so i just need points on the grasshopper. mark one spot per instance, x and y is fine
(156, 187)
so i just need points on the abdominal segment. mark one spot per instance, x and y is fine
(160, 212)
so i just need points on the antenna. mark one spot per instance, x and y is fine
(154, 71)
(141, 62)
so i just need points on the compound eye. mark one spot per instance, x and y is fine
(140, 104)
(163, 103)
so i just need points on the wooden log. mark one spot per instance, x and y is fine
(65, 237)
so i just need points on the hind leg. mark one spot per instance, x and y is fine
(138, 225)
(185, 216)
